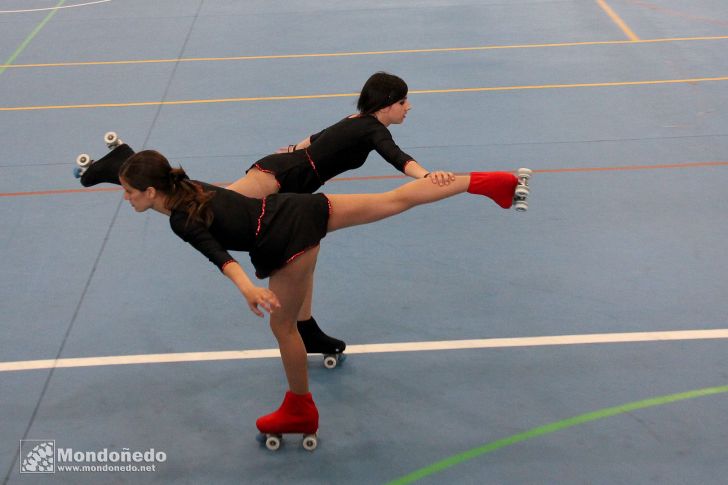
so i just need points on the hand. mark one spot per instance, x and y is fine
(441, 178)
(263, 297)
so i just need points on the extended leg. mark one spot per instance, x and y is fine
(355, 209)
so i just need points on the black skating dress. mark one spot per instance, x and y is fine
(274, 230)
(338, 148)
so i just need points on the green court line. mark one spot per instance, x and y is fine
(551, 428)
(31, 36)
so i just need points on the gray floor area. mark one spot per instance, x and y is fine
(619, 106)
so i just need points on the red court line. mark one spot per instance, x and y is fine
(395, 177)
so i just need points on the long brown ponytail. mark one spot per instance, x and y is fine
(150, 168)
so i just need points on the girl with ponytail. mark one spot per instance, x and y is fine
(151, 170)
(282, 234)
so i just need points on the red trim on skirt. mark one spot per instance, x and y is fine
(270, 172)
(313, 165)
(299, 254)
(260, 218)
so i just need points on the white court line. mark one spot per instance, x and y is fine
(600, 338)
(54, 8)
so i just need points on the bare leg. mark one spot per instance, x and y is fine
(255, 184)
(355, 209)
(307, 306)
(290, 284)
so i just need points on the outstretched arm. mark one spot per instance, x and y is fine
(254, 295)
(417, 171)
(199, 236)
(386, 147)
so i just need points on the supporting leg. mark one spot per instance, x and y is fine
(289, 285)
(307, 306)
(298, 413)
(315, 340)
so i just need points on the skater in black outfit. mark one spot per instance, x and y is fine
(307, 165)
(282, 233)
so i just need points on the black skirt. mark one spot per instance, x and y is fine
(293, 171)
(288, 226)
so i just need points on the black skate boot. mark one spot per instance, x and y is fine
(106, 169)
(317, 342)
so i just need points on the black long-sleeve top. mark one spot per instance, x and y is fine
(345, 146)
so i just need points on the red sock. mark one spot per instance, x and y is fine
(297, 414)
(499, 186)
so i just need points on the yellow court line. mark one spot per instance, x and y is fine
(618, 20)
(368, 53)
(348, 95)
(584, 339)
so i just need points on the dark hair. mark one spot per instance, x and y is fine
(381, 90)
(150, 168)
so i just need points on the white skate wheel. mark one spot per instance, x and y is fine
(310, 442)
(525, 172)
(112, 139)
(522, 191)
(330, 361)
(83, 160)
(521, 206)
(273, 442)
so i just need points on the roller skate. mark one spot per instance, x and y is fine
(520, 197)
(297, 415)
(504, 188)
(106, 169)
(317, 342)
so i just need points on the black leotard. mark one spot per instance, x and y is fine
(274, 230)
(338, 148)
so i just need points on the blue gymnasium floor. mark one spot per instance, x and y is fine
(620, 107)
